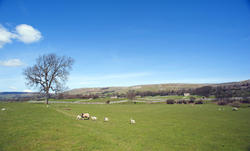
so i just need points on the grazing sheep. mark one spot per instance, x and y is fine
(132, 121)
(93, 118)
(3, 109)
(78, 117)
(235, 109)
(85, 115)
(106, 119)
(221, 109)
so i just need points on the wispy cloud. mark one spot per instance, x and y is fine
(24, 33)
(11, 63)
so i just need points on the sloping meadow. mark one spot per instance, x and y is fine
(38, 127)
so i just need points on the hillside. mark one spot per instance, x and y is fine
(9, 93)
(140, 88)
(150, 87)
(16, 95)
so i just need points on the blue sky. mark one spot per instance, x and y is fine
(127, 42)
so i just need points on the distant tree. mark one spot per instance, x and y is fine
(131, 94)
(170, 101)
(199, 102)
(203, 91)
(49, 74)
(60, 96)
(191, 99)
(219, 92)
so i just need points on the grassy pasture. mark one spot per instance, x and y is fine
(159, 127)
(148, 98)
(88, 100)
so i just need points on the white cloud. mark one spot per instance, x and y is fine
(5, 36)
(11, 63)
(27, 33)
(24, 33)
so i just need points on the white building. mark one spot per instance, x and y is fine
(186, 94)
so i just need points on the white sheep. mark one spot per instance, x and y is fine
(106, 119)
(3, 109)
(78, 117)
(221, 109)
(235, 109)
(93, 118)
(132, 121)
(85, 115)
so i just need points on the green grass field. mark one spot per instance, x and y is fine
(159, 127)
(147, 99)
(88, 100)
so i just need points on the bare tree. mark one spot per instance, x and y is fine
(131, 94)
(49, 73)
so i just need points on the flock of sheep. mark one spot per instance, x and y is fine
(86, 116)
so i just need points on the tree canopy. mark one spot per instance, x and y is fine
(49, 74)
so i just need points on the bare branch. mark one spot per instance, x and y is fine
(49, 73)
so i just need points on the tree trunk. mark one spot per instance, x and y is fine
(47, 99)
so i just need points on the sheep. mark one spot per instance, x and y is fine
(3, 109)
(93, 118)
(132, 121)
(235, 109)
(221, 109)
(106, 119)
(78, 117)
(85, 115)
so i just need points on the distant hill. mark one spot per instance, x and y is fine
(140, 88)
(7, 93)
(11, 95)
(149, 87)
